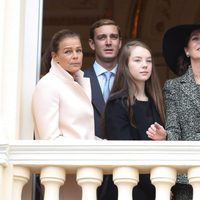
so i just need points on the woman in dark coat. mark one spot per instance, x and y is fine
(181, 49)
(135, 104)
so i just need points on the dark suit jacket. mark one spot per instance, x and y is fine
(97, 100)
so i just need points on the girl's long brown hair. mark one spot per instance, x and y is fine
(125, 82)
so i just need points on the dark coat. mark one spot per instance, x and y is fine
(117, 122)
(118, 127)
(182, 103)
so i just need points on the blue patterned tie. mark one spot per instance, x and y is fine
(106, 89)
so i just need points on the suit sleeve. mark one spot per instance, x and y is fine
(173, 127)
(117, 125)
(45, 108)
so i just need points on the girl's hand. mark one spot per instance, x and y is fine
(156, 132)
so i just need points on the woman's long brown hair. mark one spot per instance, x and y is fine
(125, 82)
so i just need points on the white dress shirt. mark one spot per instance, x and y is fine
(99, 70)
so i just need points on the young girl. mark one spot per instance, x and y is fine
(135, 104)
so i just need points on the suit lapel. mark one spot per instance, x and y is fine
(97, 97)
(189, 87)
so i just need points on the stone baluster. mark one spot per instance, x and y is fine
(52, 178)
(163, 178)
(194, 180)
(21, 175)
(125, 178)
(89, 178)
(1, 182)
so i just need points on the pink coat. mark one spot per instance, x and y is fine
(62, 107)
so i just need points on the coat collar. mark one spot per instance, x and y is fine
(66, 77)
(190, 88)
(187, 81)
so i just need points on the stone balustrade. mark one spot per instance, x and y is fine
(89, 160)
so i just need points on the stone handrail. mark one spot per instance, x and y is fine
(89, 160)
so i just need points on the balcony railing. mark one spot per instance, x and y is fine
(89, 160)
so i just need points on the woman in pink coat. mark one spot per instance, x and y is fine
(61, 103)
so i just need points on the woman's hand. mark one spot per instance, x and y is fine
(156, 132)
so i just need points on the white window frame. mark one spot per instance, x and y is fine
(32, 57)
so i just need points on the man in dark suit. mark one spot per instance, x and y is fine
(105, 41)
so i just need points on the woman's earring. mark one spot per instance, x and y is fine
(187, 54)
